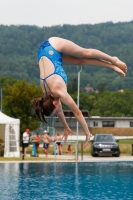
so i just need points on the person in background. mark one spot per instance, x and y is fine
(46, 142)
(26, 140)
(1, 150)
(58, 138)
(69, 149)
(37, 139)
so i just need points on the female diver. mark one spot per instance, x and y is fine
(51, 54)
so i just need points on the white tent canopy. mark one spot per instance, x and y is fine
(10, 134)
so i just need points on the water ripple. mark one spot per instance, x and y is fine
(80, 181)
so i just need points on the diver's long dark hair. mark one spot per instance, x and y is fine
(43, 106)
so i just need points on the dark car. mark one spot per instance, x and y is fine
(104, 144)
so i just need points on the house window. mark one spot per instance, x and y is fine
(95, 124)
(108, 123)
(131, 124)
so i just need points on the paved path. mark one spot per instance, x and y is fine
(72, 158)
(89, 158)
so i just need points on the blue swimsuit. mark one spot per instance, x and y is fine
(55, 57)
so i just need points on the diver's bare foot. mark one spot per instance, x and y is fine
(120, 64)
(119, 71)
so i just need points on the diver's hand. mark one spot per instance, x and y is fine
(67, 131)
(87, 140)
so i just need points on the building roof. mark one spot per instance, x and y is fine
(69, 113)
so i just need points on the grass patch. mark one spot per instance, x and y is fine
(126, 141)
(27, 159)
(124, 144)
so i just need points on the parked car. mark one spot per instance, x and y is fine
(104, 144)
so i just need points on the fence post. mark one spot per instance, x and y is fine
(81, 150)
(22, 151)
(132, 149)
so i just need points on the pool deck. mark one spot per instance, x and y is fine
(72, 158)
(89, 158)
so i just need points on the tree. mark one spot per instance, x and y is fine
(112, 38)
(115, 104)
(6, 80)
(73, 86)
(16, 103)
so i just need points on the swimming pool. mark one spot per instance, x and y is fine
(77, 181)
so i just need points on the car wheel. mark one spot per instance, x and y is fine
(117, 155)
(93, 154)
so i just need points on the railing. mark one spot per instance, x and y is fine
(68, 142)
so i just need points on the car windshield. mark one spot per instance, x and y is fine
(104, 138)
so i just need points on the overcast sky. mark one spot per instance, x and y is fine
(59, 12)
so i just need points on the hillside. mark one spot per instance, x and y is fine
(19, 45)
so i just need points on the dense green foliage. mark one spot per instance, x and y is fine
(107, 103)
(18, 95)
(19, 45)
(17, 101)
(19, 73)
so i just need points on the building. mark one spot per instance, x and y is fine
(118, 122)
(88, 89)
(72, 122)
(116, 125)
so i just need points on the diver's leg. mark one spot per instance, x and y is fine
(91, 61)
(70, 48)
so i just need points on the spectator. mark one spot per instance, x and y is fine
(58, 138)
(46, 142)
(69, 149)
(26, 140)
(37, 139)
(1, 150)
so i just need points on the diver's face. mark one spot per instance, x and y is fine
(58, 107)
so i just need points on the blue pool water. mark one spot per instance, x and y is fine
(77, 181)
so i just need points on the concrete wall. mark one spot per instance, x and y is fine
(122, 126)
(118, 122)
